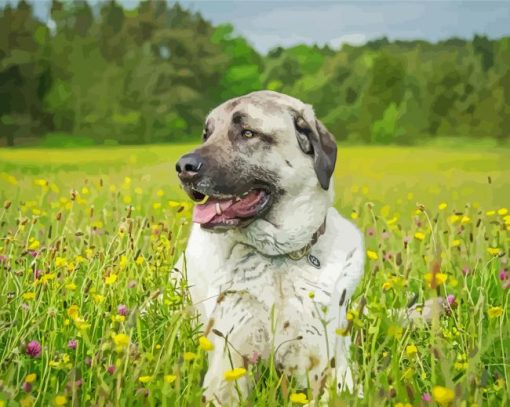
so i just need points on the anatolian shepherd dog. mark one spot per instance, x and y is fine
(270, 263)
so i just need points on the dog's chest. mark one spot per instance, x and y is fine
(276, 281)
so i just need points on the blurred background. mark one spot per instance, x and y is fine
(80, 73)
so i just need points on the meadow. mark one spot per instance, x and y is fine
(89, 236)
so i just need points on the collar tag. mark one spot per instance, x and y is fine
(314, 261)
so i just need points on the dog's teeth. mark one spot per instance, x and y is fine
(204, 200)
(246, 193)
(237, 199)
(218, 209)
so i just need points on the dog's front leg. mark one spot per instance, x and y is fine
(240, 331)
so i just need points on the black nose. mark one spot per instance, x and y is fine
(189, 166)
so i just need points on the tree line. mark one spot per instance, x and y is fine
(151, 74)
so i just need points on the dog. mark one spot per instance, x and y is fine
(270, 264)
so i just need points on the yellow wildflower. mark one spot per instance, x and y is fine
(121, 341)
(502, 211)
(442, 395)
(465, 219)
(456, 243)
(139, 260)
(28, 296)
(30, 378)
(98, 298)
(169, 378)
(27, 401)
(156, 205)
(123, 261)
(70, 286)
(81, 324)
(160, 192)
(73, 311)
(112, 278)
(372, 255)
(205, 344)
(490, 213)
(188, 356)
(395, 331)
(60, 400)
(299, 398)
(234, 374)
(454, 218)
(440, 278)
(47, 277)
(118, 318)
(145, 379)
(442, 205)
(354, 215)
(419, 235)
(411, 350)
(495, 312)
(494, 251)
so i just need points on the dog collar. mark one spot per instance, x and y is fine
(305, 250)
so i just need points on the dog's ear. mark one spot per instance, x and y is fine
(314, 139)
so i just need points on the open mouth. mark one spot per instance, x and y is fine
(224, 212)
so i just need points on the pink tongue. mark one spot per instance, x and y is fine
(229, 208)
(206, 212)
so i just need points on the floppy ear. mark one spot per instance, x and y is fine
(314, 138)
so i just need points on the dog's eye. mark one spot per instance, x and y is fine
(248, 133)
(205, 135)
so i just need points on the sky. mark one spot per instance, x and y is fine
(267, 24)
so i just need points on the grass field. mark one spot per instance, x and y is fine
(88, 235)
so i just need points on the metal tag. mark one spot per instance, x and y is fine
(314, 261)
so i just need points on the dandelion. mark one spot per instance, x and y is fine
(169, 378)
(502, 211)
(28, 296)
(60, 400)
(494, 251)
(437, 278)
(419, 235)
(189, 356)
(299, 398)
(411, 350)
(442, 206)
(30, 378)
(465, 219)
(121, 341)
(234, 374)
(205, 344)
(70, 286)
(33, 349)
(112, 278)
(145, 379)
(442, 395)
(73, 311)
(495, 312)
(372, 255)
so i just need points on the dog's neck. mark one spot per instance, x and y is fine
(305, 250)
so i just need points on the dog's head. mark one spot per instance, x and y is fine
(263, 171)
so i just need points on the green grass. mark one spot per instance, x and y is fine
(103, 227)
